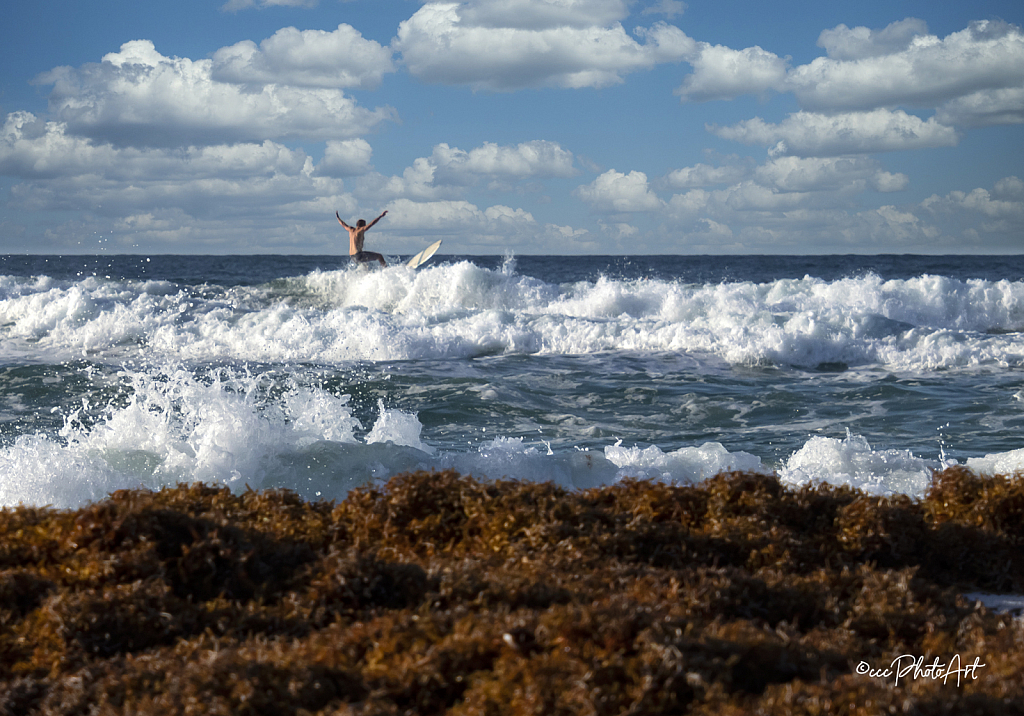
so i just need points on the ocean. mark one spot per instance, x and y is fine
(303, 372)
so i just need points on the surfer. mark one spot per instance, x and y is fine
(356, 236)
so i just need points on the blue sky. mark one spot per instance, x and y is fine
(531, 126)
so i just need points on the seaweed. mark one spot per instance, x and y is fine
(440, 593)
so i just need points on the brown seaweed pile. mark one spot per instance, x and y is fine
(439, 593)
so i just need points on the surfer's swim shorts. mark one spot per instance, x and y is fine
(364, 256)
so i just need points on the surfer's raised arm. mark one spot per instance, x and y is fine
(342, 222)
(383, 214)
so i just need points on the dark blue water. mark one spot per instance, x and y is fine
(253, 270)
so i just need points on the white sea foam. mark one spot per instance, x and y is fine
(852, 461)
(399, 428)
(461, 310)
(174, 428)
(686, 465)
(1004, 463)
(237, 428)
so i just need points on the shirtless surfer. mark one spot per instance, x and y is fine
(356, 236)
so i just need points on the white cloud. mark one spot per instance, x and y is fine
(448, 170)
(987, 219)
(451, 215)
(137, 96)
(624, 230)
(669, 8)
(780, 210)
(886, 182)
(974, 77)
(813, 134)
(1009, 188)
(495, 228)
(981, 201)
(155, 198)
(704, 175)
(528, 159)
(751, 196)
(821, 174)
(984, 108)
(310, 58)
(545, 43)
(709, 229)
(614, 192)
(33, 149)
(348, 157)
(843, 43)
(236, 5)
(988, 55)
(416, 182)
(785, 191)
(689, 204)
(508, 214)
(723, 73)
(542, 14)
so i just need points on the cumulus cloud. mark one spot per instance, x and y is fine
(253, 195)
(984, 108)
(494, 45)
(817, 174)
(794, 203)
(250, 197)
(786, 197)
(669, 8)
(348, 157)
(781, 187)
(494, 228)
(974, 77)
(986, 56)
(450, 215)
(886, 182)
(542, 14)
(815, 134)
(138, 96)
(704, 175)
(33, 149)
(723, 73)
(310, 58)
(783, 202)
(983, 201)
(236, 5)
(615, 192)
(528, 159)
(990, 219)
(448, 170)
(1009, 188)
(844, 43)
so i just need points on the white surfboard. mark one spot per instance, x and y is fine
(423, 256)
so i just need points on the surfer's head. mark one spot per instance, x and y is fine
(361, 223)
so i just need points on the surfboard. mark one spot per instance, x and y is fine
(423, 256)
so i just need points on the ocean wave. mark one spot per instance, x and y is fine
(243, 429)
(460, 310)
